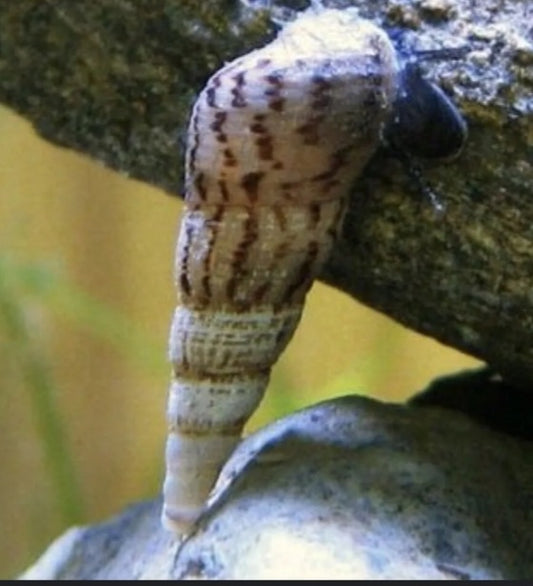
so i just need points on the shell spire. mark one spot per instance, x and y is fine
(275, 141)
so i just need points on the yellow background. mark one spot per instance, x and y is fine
(112, 238)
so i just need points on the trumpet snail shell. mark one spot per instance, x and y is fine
(275, 141)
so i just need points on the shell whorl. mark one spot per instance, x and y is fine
(276, 138)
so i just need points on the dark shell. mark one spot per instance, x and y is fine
(425, 123)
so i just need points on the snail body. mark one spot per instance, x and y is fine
(276, 139)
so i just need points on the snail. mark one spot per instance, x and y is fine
(275, 141)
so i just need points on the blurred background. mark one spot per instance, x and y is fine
(86, 296)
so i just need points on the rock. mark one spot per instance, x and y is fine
(485, 397)
(349, 488)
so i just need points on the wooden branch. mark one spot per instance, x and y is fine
(115, 79)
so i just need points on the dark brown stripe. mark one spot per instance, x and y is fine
(309, 130)
(286, 188)
(185, 284)
(250, 184)
(265, 147)
(277, 104)
(288, 196)
(191, 155)
(289, 184)
(238, 95)
(184, 366)
(337, 160)
(211, 91)
(275, 79)
(206, 287)
(281, 251)
(199, 185)
(276, 258)
(333, 232)
(258, 128)
(261, 291)
(320, 93)
(214, 226)
(305, 274)
(314, 214)
(241, 254)
(229, 158)
(210, 97)
(217, 125)
(250, 235)
(223, 190)
(218, 122)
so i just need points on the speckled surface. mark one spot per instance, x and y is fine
(349, 488)
(354, 488)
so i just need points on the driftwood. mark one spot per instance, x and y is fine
(115, 80)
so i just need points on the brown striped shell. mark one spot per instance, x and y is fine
(276, 139)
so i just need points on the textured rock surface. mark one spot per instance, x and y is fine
(349, 488)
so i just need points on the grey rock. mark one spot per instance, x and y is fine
(349, 488)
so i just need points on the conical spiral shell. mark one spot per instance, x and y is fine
(275, 140)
